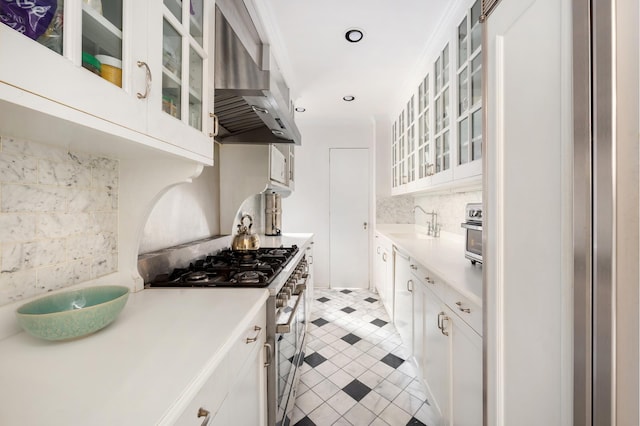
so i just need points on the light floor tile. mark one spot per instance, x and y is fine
(375, 402)
(308, 402)
(395, 415)
(324, 415)
(341, 378)
(359, 415)
(341, 402)
(326, 389)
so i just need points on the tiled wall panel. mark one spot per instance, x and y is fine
(58, 218)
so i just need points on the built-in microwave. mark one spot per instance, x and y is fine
(473, 226)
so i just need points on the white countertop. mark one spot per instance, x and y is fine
(444, 256)
(133, 371)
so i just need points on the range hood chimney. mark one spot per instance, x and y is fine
(251, 100)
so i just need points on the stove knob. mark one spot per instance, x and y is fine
(281, 300)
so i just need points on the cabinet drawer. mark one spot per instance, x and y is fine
(468, 311)
(252, 337)
(435, 283)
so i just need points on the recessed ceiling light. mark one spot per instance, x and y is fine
(348, 98)
(300, 109)
(353, 35)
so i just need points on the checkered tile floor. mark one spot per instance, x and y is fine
(355, 370)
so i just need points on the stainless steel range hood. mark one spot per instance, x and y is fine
(251, 101)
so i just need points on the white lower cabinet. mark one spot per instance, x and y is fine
(235, 393)
(447, 349)
(466, 374)
(403, 298)
(383, 272)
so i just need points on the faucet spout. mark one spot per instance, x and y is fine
(413, 210)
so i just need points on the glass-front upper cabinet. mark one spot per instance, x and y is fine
(469, 75)
(394, 156)
(425, 164)
(183, 58)
(102, 39)
(441, 101)
(411, 154)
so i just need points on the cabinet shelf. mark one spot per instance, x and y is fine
(100, 31)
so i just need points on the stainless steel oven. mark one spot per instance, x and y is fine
(473, 226)
(289, 332)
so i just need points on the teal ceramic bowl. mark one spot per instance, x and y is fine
(73, 313)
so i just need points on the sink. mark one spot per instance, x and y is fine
(410, 236)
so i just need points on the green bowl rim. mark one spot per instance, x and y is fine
(125, 294)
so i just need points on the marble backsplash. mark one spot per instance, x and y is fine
(58, 218)
(449, 207)
(395, 209)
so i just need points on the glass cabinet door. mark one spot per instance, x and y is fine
(424, 136)
(469, 103)
(102, 39)
(183, 59)
(441, 101)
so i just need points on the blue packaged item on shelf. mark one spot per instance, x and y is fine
(31, 18)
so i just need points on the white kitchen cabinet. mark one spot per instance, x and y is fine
(403, 298)
(466, 371)
(440, 146)
(39, 81)
(235, 393)
(447, 349)
(383, 272)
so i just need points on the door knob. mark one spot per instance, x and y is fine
(365, 225)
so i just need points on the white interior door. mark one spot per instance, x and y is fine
(349, 217)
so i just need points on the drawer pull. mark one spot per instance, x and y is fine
(442, 317)
(254, 339)
(269, 350)
(414, 267)
(467, 310)
(429, 280)
(206, 414)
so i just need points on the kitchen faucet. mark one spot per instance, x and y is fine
(433, 228)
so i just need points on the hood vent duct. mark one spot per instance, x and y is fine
(251, 101)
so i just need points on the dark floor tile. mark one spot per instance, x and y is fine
(392, 360)
(379, 322)
(320, 322)
(356, 390)
(415, 422)
(370, 300)
(323, 299)
(305, 421)
(348, 310)
(315, 359)
(351, 338)
(346, 291)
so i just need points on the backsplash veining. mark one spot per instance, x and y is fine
(58, 218)
(395, 209)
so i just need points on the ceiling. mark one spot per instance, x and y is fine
(321, 66)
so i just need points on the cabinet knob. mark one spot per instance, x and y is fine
(414, 267)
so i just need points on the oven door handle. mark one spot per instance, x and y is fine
(471, 226)
(286, 328)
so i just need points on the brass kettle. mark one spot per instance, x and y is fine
(245, 239)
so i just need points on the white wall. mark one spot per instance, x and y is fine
(307, 209)
(185, 212)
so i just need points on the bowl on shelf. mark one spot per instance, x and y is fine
(74, 313)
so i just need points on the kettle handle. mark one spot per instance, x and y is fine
(246, 216)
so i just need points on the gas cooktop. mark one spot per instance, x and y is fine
(228, 268)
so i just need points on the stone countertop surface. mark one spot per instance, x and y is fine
(135, 371)
(443, 256)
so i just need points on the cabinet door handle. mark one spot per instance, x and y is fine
(259, 110)
(442, 317)
(467, 310)
(365, 225)
(269, 356)
(206, 414)
(384, 257)
(378, 250)
(255, 338)
(216, 125)
(410, 288)
(147, 84)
